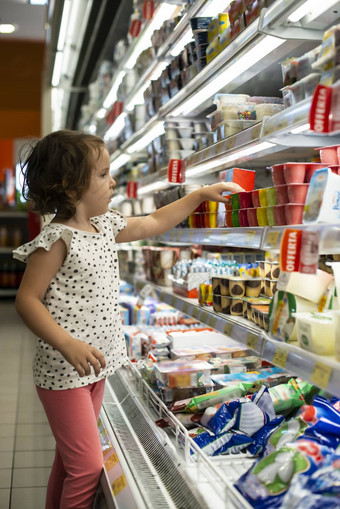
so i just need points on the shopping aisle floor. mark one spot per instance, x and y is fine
(26, 442)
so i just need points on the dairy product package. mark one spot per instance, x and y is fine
(308, 286)
(316, 332)
(323, 198)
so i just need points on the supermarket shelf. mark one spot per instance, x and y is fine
(9, 292)
(231, 237)
(6, 250)
(329, 236)
(321, 371)
(9, 214)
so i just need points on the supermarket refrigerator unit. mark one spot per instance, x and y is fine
(144, 466)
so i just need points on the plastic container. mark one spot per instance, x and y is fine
(297, 193)
(310, 83)
(280, 215)
(243, 217)
(234, 218)
(241, 111)
(263, 197)
(235, 201)
(294, 173)
(223, 99)
(270, 216)
(294, 213)
(255, 198)
(282, 194)
(252, 217)
(183, 373)
(271, 196)
(267, 110)
(311, 169)
(261, 214)
(316, 332)
(234, 126)
(278, 174)
(330, 155)
(228, 219)
(245, 201)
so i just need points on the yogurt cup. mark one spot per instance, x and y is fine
(243, 217)
(271, 196)
(255, 198)
(252, 217)
(330, 155)
(294, 173)
(294, 213)
(270, 216)
(234, 218)
(311, 169)
(280, 215)
(278, 175)
(245, 200)
(235, 201)
(261, 214)
(263, 197)
(297, 193)
(282, 194)
(228, 219)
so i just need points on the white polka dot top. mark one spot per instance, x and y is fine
(82, 298)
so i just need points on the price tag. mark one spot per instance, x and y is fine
(251, 341)
(272, 239)
(321, 375)
(195, 313)
(212, 322)
(173, 234)
(280, 357)
(228, 329)
(189, 236)
(186, 308)
(249, 238)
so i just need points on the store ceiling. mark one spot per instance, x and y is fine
(108, 22)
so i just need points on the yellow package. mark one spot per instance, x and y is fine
(213, 49)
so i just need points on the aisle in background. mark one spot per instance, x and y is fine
(26, 442)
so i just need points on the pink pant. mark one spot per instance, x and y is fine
(78, 462)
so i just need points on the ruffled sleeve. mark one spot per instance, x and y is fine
(46, 238)
(117, 220)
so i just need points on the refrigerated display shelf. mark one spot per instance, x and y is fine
(322, 371)
(159, 466)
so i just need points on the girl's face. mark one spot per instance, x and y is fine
(100, 191)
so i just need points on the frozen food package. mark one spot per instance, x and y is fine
(291, 395)
(226, 394)
(225, 443)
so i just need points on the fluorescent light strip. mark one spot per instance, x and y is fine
(63, 25)
(205, 167)
(150, 188)
(116, 128)
(154, 132)
(163, 13)
(213, 7)
(112, 95)
(249, 59)
(119, 162)
(58, 60)
(314, 7)
(184, 40)
(301, 129)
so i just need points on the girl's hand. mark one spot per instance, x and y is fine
(215, 191)
(82, 356)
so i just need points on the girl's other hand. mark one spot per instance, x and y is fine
(215, 191)
(82, 356)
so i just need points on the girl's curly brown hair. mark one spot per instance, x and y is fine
(57, 171)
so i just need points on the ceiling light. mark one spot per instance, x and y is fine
(6, 28)
(206, 167)
(154, 132)
(119, 162)
(163, 13)
(250, 58)
(313, 7)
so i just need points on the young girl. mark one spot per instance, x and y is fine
(68, 296)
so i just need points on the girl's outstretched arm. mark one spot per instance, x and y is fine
(169, 216)
(41, 267)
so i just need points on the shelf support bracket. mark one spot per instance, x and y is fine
(296, 32)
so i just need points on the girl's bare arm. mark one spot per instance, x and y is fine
(171, 215)
(41, 267)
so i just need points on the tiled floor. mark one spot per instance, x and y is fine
(26, 442)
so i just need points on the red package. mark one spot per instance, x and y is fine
(235, 10)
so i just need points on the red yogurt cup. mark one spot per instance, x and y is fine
(255, 198)
(279, 215)
(243, 217)
(282, 194)
(252, 217)
(297, 193)
(294, 173)
(245, 199)
(329, 155)
(311, 169)
(294, 213)
(278, 175)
